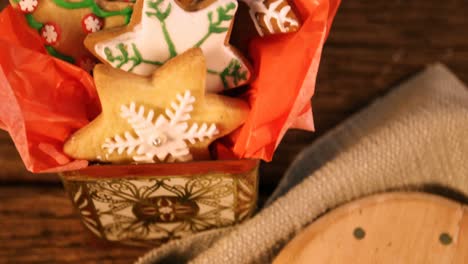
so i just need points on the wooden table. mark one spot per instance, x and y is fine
(373, 45)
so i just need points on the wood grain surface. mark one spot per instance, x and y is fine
(373, 45)
(385, 229)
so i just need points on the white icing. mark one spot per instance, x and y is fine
(166, 138)
(186, 29)
(49, 34)
(270, 14)
(28, 6)
(92, 24)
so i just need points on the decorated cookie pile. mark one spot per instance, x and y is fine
(163, 61)
(175, 26)
(161, 29)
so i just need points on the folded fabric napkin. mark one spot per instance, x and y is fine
(415, 138)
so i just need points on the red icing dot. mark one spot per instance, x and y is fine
(28, 6)
(50, 33)
(87, 63)
(92, 23)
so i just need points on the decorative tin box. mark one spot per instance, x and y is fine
(152, 204)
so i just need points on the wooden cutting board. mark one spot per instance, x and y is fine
(392, 228)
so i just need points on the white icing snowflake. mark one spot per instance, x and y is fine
(92, 23)
(50, 34)
(165, 138)
(28, 6)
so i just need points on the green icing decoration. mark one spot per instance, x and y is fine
(162, 16)
(51, 50)
(233, 70)
(214, 27)
(126, 12)
(123, 58)
(59, 55)
(33, 22)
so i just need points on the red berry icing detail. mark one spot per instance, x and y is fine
(50, 33)
(92, 23)
(87, 63)
(28, 6)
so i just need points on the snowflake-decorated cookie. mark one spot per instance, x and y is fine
(273, 16)
(161, 29)
(63, 24)
(167, 117)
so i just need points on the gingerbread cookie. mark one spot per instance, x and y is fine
(269, 16)
(63, 24)
(273, 16)
(163, 118)
(195, 5)
(161, 29)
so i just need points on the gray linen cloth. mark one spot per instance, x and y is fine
(415, 138)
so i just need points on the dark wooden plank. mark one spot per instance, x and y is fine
(374, 45)
(12, 167)
(39, 226)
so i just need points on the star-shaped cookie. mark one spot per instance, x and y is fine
(163, 118)
(161, 29)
